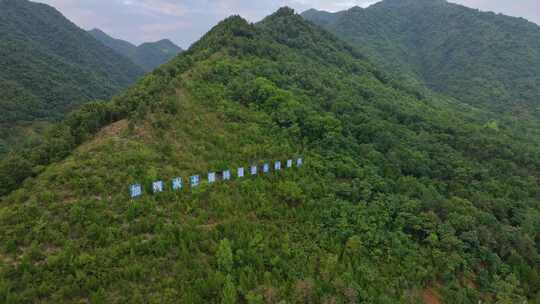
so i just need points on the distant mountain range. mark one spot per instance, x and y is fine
(148, 55)
(481, 58)
(50, 66)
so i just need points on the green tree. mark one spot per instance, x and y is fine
(224, 256)
(229, 295)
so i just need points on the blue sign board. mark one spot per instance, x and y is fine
(211, 177)
(194, 181)
(135, 190)
(157, 187)
(177, 184)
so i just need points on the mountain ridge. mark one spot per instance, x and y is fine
(120, 45)
(147, 55)
(480, 58)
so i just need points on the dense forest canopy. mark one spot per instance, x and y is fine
(403, 194)
(148, 55)
(480, 58)
(49, 66)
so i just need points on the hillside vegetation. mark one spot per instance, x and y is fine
(480, 58)
(49, 67)
(402, 195)
(148, 55)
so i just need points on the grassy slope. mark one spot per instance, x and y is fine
(399, 192)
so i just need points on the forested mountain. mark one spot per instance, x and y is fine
(148, 55)
(120, 46)
(152, 54)
(49, 66)
(403, 197)
(478, 57)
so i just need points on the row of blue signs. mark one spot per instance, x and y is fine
(136, 190)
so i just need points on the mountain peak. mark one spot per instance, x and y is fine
(221, 34)
(410, 2)
(96, 30)
(312, 10)
(232, 23)
(285, 11)
(148, 55)
(356, 8)
(233, 20)
(165, 41)
(162, 42)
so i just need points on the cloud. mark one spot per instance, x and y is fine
(331, 6)
(159, 7)
(157, 31)
(185, 21)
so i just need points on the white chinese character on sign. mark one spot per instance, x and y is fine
(227, 175)
(211, 177)
(277, 165)
(157, 186)
(289, 163)
(240, 172)
(194, 180)
(177, 184)
(135, 190)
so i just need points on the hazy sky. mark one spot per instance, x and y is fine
(184, 21)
